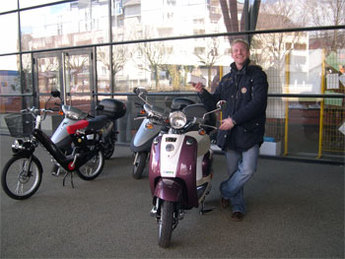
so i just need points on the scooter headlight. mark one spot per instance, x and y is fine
(177, 119)
(73, 113)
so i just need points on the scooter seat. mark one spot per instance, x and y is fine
(89, 125)
(97, 123)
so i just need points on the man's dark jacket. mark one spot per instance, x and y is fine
(246, 94)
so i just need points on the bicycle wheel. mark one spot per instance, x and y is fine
(92, 168)
(21, 177)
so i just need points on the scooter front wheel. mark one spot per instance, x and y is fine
(165, 224)
(92, 168)
(21, 177)
(139, 164)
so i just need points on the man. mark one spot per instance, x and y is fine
(242, 129)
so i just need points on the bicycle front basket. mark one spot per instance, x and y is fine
(20, 124)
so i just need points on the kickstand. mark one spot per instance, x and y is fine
(203, 210)
(64, 178)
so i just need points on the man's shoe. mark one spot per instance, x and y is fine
(237, 216)
(224, 203)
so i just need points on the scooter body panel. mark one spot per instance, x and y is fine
(180, 158)
(169, 190)
(143, 138)
(154, 164)
(52, 148)
(60, 137)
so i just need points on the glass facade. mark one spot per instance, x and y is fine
(65, 25)
(95, 49)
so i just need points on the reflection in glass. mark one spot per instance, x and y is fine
(166, 66)
(30, 3)
(69, 24)
(78, 73)
(10, 82)
(292, 14)
(27, 73)
(9, 75)
(9, 33)
(79, 82)
(48, 74)
(103, 70)
(10, 104)
(8, 6)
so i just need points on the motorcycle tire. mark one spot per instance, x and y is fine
(139, 165)
(165, 224)
(92, 168)
(109, 146)
(21, 179)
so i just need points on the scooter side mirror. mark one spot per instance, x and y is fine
(221, 104)
(140, 91)
(147, 108)
(99, 108)
(55, 93)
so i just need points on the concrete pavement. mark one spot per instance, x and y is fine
(295, 210)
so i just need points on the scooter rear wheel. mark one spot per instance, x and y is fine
(92, 168)
(109, 145)
(165, 224)
(139, 165)
(20, 179)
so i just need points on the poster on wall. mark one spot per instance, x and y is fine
(8, 81)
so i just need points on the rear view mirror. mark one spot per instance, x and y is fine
(221, 104)
(55, 93)
(141, 93)
(136, 90)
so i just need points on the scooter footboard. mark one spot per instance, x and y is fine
(169, 190)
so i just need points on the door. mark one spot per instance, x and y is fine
(78, 79)
(70, 72)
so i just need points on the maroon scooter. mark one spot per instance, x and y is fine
(180, 166)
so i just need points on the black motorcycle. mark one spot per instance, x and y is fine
(22, 174)
(112, 108)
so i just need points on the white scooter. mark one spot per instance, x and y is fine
(180, 167)
(148, 130)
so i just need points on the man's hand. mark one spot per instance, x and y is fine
(227, 124)
(198, 87)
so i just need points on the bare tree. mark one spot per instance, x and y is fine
(248, 18)
(46, 71)
(77, 64)
(230, 16)
(174, 75)
(210, 56)
(327, 12)
(153, 54)
(273, 47)
(118, 60)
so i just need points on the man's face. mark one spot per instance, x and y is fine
(239, 53)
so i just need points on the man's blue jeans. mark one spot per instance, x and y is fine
(240, 166)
